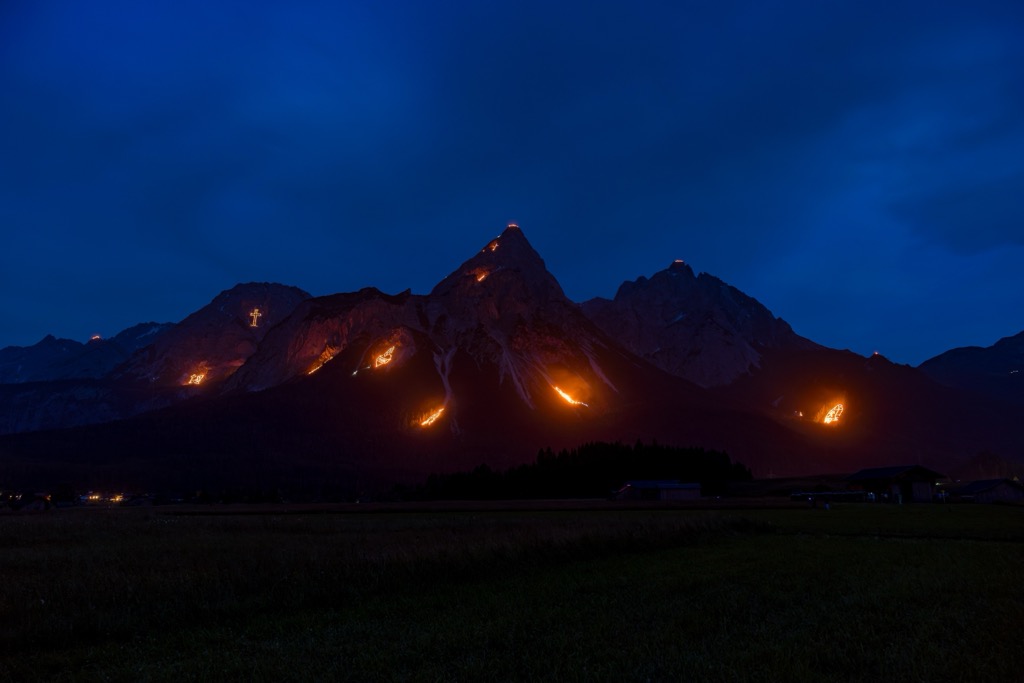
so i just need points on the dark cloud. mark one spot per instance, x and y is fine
(970, 217)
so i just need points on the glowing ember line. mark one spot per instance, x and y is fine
(833, 415)
(569, 398)
(196, 378)
(432, 418)
(384, 358)
(481, 276)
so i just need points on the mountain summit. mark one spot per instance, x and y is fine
(508, 267)
(693, 326)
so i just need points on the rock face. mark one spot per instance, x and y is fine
(996, 371)
(212, 343)
(61, 383)
(321, 328)
(695, 327)
(501, 309)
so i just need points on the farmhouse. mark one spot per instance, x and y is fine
(657, 489)
(990, 491)
(901, 484)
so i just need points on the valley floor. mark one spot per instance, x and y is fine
(857, 592)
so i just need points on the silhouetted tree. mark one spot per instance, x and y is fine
(590, 471)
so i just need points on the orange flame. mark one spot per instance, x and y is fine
(196, 378)
(324, 357)
(569, 399)
(481, 276)
(832, 416)
(384, 358)
(432, 418)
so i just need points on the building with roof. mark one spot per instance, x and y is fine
(657, 489)
(990, 491)
(900, 484)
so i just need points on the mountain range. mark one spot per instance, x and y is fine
(351, 393)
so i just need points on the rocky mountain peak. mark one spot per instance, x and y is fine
(507, 261)
(499, 287)
(694, 326)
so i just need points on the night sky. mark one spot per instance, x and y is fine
(858, 167)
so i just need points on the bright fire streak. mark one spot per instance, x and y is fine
(196, 378)
(432, 418)
(569, 398)
(833, 415)
(384, 358)
(481, 276)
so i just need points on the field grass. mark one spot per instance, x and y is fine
(859, 592)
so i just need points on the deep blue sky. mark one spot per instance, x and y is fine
(856, 166)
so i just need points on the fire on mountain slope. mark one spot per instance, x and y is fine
(219, 337)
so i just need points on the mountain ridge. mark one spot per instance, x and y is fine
(364, 388)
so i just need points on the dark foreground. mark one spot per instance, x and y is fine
(858, 592)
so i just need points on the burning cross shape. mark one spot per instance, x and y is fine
(254, 317)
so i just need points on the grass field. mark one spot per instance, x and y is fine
(859, 592)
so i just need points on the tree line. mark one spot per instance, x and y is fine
(593, 470)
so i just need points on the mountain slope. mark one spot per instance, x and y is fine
(99, 381)
(696, 327)
(210, 344)
(996, 371)
(54, 359)
(854, 411)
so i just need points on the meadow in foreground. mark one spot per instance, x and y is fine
(859, 592)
